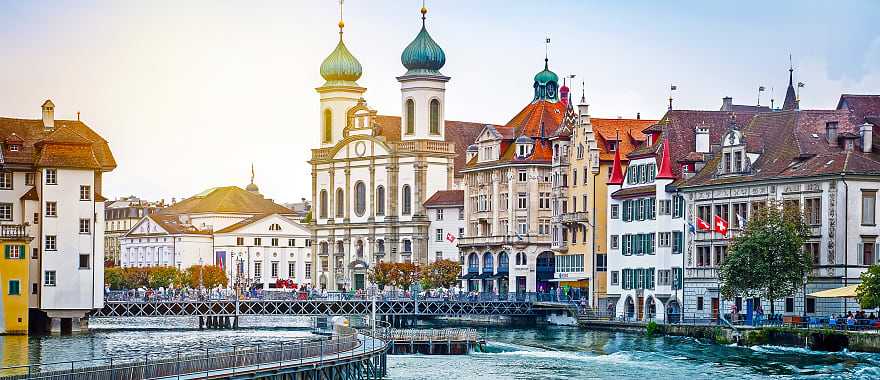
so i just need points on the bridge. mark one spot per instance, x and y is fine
(350, 353)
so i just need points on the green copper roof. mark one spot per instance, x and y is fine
(341, 68)
(546, 76)
(423, 56)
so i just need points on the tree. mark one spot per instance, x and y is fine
(307, 218)
(114, 277)
(381, 274)
(868, 292)
(440, 274)
(208, 276)
(163, 277)
(407, 274)
(134, 278)
(768, 260)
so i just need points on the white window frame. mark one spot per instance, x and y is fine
(51, 176)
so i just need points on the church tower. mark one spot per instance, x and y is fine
(423, 88)
(340, 92)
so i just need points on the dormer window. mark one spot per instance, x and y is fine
(14, 147)
(831, 132)
(612, 146)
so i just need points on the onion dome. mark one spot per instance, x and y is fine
(423, 56)
(341, 68)
(546, 76)
(546, 83)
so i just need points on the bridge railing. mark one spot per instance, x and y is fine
(277, 295)
(223, 360)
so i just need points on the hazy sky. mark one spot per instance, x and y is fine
(189, 93)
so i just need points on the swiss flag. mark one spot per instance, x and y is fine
(702, 225)
(450, 237)
(720, 225)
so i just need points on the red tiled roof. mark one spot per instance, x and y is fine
(70, 144)
(861, 106)
(536, 114)
(446, 198)
(631, 135)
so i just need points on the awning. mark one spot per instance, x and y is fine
(570, 278)
(844, 292)
(470, 276)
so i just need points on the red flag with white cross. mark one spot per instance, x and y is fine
(450, 237)
(720, 225)
(703, 225)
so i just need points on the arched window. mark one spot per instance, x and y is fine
(407, 246)
(410, 117)
(359, 248)
(473, 262)
(435, 116)
(503, 262)
(360, 198)
(323, 203)
(380, 246)
(328, 126)
(488, 262)
(340, 203)
(325, 248)
(407, 200)
(340, 247)
(380, 200)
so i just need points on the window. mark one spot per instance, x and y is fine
(544, 201)
(868, 256)
(410, 117)
(51, 209)
(720, 253)
(438, 234)
(291, 242)
(461, 213)
(522, 176)
(678, 206)
(699, 303)
(258, 241)
(677, 278)
(323, 200)
(721, 210)
(615, 277)
(380, 200)
(407, 200)
(664, 239)
(615, 211)
(522, 201)
(522, 227)
(340, 203)
(84, 261)
(789, 305)
(85, 226)
(664, 277)
(51, 243)
(461, 232)
(869, 207)
(737, 161)
(6, 211)
(407, 246)
(811, 305)
(49, 278)
(274, 269)
(51, 176)
(308, 270)
(274, 242)
(35, 253)
(704, 256)
(239, 241)
(291, 269)
(704, 212)
(29, 179)
(601, 262)
(14, 288)
(85, 193)
(615, 241)
(439, 214)
(328, 126)
(274, 227)
(813, 211)
(14, 251)
(435, 116)
(665, 207)
(360, 198)
(258, 270)
(6, 181)
(812, 249)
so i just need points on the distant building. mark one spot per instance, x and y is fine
(119, 216)
(256, 241)
(445, 209)
(51, 206)
(300, 209)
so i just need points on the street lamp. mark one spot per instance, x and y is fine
(201, 269)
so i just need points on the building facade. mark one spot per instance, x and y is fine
(14, 278)
(119, 217)
(50, 188)
(446, 211)
(372, 174)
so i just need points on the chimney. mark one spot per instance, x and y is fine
(701, 140)
(867, 132)
(638, 116)
(48, 115)
(831, 132)
(726, 103)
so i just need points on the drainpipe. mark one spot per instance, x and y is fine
(845, 237)
(595, 255)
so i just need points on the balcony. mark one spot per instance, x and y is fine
(484, 241)
(14, 232)
(559, 246)
(575, 217)
(710, 273)
(560, 160)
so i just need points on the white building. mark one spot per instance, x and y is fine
(51, 183)
(446, 212)
(252, 238)
(372, 174)
(120, 216)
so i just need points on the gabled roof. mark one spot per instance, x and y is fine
(30, 195)
(171, 224)
(630, 130)
(252, 220)
(538, 115)
(228, 199)
(70, 144)
(861, 106)
(446, 198)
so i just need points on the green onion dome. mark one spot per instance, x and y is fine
(423, 56)
(546, 76)
(341, 68)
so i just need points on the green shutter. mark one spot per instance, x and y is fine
(651, 243)
(22, 255)
(6, 251)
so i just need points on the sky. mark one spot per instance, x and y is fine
(190, 93)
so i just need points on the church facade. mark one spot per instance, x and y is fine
(371, 174)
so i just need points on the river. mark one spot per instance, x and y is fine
(511, 353)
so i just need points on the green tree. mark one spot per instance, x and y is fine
(381, 274)
(308, 218)
(208, 276)
(163, 277)
(768, 260)
(868, 292)
(114, 277)
(440, 274)
(134, 278)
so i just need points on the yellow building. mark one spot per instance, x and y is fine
(14, 280)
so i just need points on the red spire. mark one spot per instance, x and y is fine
(616, 170)
(665, 166)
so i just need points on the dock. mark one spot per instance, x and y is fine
(447, 341)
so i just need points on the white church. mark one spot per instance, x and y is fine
(371, 174)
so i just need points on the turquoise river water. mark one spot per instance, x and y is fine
(545, 352)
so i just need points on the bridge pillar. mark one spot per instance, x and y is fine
(201, 322)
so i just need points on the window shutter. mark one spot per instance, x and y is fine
(876, 252)
(651, 243)
(6, 251)
(22, 253)
(860, 255)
